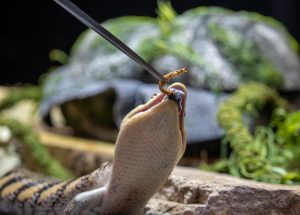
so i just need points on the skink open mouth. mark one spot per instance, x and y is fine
(179, 97)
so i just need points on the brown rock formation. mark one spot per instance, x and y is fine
(190, 191)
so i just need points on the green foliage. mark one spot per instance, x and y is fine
(58, 56)
(263, 156)
(166, 21)
(288, 126)
(45, 163)
(39, 153)
(28, 92)
(166, 18)
(245, 57)
(169, 42)
(31, 141)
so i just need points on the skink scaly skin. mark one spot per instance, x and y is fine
(22, 192)
(150, 143)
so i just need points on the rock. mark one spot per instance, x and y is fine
(208, 31)
(190, 191)
(212, 42)
(234, 47)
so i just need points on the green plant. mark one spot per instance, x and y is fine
(261, 156)
(45, 163)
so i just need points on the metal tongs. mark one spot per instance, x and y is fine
(93, 24)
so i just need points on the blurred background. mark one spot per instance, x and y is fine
(230, 121)
(30, 29)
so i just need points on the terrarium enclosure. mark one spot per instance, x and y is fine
(65, 91)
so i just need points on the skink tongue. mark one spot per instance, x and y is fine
(177, 97)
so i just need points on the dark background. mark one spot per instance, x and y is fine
(30, 29)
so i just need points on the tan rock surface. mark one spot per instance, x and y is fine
(190, 191)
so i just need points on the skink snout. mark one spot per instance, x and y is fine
(177, 97)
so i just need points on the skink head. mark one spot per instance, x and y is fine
(170, 108)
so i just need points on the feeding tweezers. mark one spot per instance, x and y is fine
(93, 24)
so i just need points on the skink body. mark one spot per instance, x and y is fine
(150, 143)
